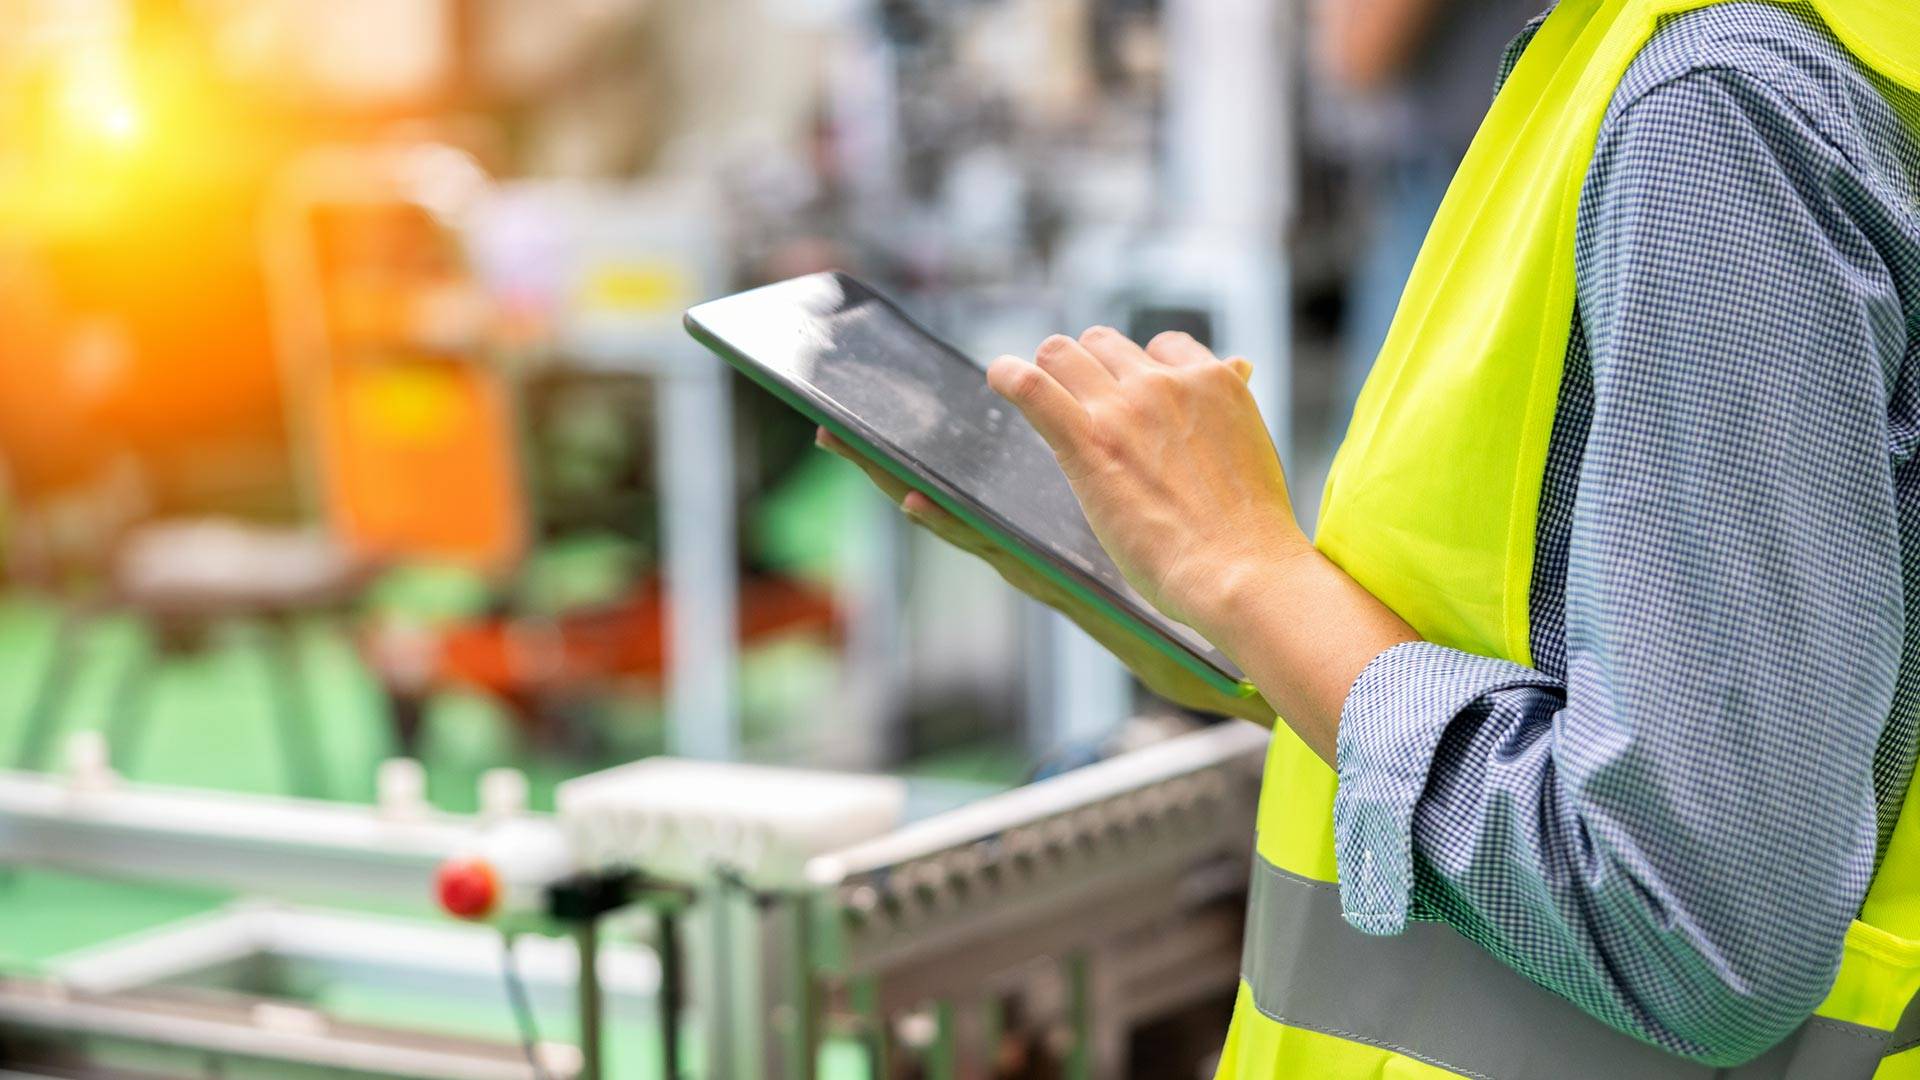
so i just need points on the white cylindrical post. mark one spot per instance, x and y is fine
(696, 482)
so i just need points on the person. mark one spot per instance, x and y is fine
(1600, 677)
(1419, 70)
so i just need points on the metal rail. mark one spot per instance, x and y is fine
(294, 848)
(247, 1029)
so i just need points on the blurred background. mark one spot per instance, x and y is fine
(345, 413)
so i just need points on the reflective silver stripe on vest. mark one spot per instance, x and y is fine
(1435, 996)
(1906, 1035)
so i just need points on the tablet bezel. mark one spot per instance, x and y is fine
(807, 401)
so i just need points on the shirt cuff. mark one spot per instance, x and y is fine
(1390, 726)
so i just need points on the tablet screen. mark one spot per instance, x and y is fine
(857, 359)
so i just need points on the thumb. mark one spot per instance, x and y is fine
(1241, 366)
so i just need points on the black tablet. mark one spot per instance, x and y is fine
(847, 358)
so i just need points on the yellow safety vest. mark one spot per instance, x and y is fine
(1433, 509)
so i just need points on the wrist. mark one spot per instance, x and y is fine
(1241, 593)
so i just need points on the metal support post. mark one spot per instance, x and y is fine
(586, 936)
(672, 1002)
(696, 480)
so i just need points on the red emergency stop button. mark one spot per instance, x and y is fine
(467, 888)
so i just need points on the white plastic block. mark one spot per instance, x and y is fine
(682, 819)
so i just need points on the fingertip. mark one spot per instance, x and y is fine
(921, 509)
(1242, 367)
(1009, 374)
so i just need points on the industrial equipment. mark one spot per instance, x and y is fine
(1059, 922)
(434, 214)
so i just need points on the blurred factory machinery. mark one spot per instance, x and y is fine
(791, 923)
(284, 255)
(345, 335)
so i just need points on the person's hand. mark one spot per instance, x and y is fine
(1161, 674)
(1172, 465)
(1171, 461)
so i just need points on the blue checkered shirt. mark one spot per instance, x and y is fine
(1672, 819)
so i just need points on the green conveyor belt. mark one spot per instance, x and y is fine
(210, 726)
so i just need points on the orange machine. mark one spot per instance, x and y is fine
(408, 424)
(420, 462)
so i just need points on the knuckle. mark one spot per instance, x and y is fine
(1222, 377)
(1158, 380)
(1077, 467)
(1135, 408)
(1147, 389)
(1103, 440)
(1050, 348)
(1023, 383)
(1170, 339)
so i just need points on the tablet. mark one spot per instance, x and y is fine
(847, 358)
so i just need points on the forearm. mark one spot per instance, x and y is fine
(1700, 906)
(1302, 630)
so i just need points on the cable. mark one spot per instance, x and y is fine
(522, 1008)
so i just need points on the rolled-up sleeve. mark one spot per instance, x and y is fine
(1395, 716)
(1677, 834)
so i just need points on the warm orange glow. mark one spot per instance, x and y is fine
(118, 125)
(132, 170)
(98, 101)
